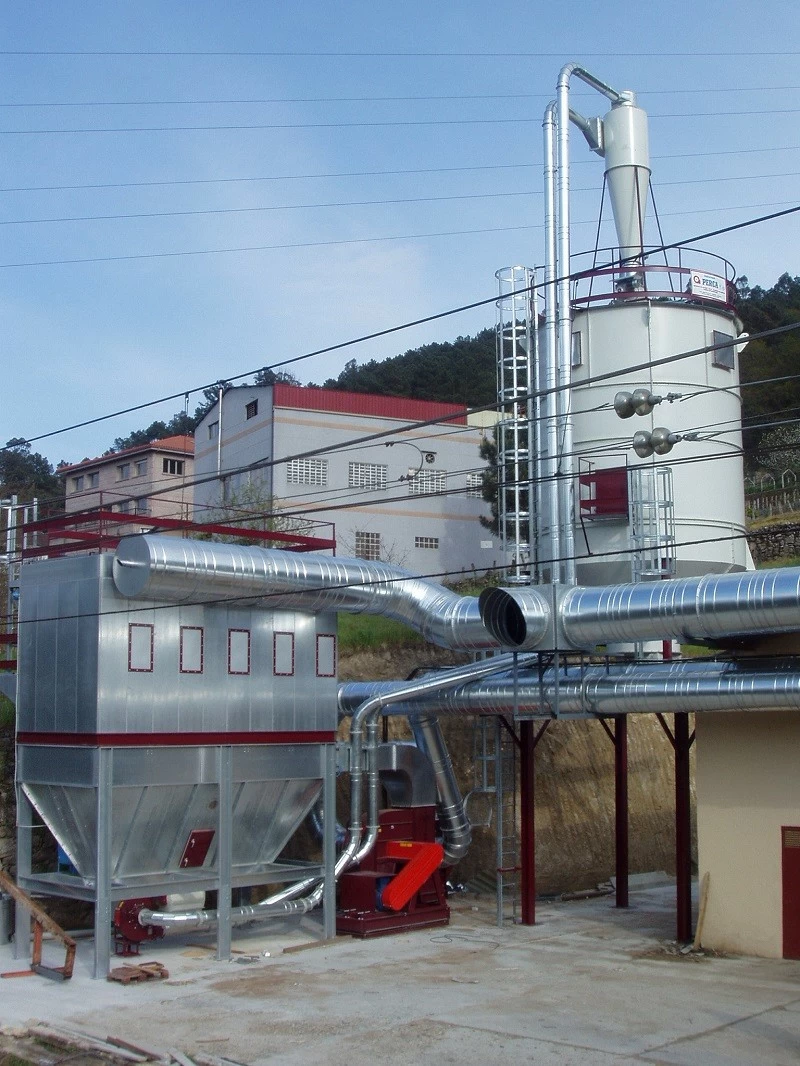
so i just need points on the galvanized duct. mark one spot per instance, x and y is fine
(714, 607)
(180, 571)
(601, 690)
(453, 821)
(365, 721)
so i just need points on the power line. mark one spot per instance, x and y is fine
(245, 101)
(388, 331)
(383, 434)
(371, 124)
(371, 173)
(364, 203)
(279, 54)
(135, 256)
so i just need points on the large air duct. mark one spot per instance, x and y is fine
(716, 607)
(187, 571)
(600, 690)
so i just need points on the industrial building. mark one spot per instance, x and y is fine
(146, 480)
(406, 495)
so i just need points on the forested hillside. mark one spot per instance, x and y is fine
(765, 361)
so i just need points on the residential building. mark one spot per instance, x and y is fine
(148, 480)
(411, 496)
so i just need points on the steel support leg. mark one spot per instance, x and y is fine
(103, 911)
(224, 857)
(329, 840)
(621, 808)
(527, 825)
(22, 916)
(683, 832)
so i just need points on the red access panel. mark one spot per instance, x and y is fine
(790, 863)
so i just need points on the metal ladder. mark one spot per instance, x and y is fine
(652, 523)
(495, 770)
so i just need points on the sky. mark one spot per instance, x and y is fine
(194, 190)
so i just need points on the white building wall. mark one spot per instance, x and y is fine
(748, 786)
(449, 523)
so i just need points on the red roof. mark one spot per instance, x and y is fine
(182, 443)
(366, 403)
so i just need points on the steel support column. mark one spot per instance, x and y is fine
(683, 829)
(224, 850)
(22, 916)
(527, 824)
(103, 907)
(621, 808)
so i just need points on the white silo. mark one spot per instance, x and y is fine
(681, 510)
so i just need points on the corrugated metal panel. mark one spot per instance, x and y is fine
(365, 403)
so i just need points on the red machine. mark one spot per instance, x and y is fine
(399, 885)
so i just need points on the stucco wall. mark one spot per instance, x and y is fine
(748, 786)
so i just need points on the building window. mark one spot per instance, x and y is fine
(368, 545)
(77, 483)
(577, 350)
(251, 409)
(123, 471)
(368, 475)
(426, 542)
(283, 654)
(213, 430)
(475, 486)
(125, 506)
(140, 648)
(723, 357)
(140, 468)
(326, 655)
(307, 472)
(172, 466)
(238, 651)
(424, 481)
(93, 480)
(141, 507)
(191, 649)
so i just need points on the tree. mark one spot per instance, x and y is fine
(463, 371)
(27, 474)
(267, 376)
(769, 358)
(251, 506)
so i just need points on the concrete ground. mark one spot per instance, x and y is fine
(587, 985)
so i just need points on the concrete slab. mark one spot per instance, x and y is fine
(588, 984)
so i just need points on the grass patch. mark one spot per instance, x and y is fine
(368, 632)
(792, 560)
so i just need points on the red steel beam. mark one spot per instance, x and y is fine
(527, 824)
(683, 831)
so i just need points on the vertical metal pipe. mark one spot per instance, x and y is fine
(527, 824)
(564, 327)
(102, 885)
(549, 377)
(328, 758)
(224, 850)
(621, 808)
(683, 833)
(220, 394)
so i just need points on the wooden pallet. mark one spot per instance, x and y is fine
(145, 971)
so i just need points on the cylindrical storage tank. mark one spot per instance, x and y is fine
(680, 310)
